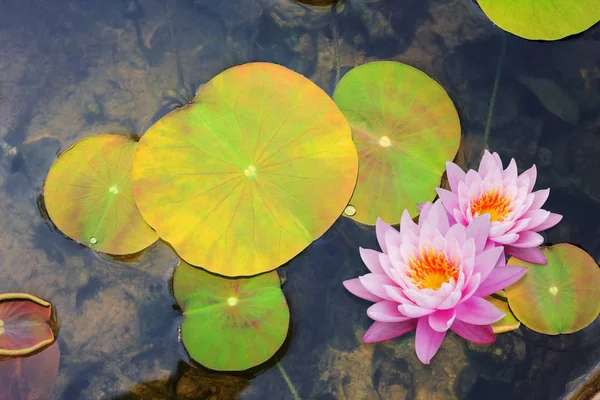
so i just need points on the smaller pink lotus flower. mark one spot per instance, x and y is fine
(515, 211)
(433, 277)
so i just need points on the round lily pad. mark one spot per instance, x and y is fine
(230, 324)
(405, 128)
(562, 296)
(241, 180)
(542, 19)
(24, 324)
(89, 197)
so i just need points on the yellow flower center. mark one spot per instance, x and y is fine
(429, 270)
(494, 203)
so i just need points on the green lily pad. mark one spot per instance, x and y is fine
(562, 296)
(542, 19)
(230, 324)
(245, 177)
(405, 128)
(24, 324)
(507, 324)
(89, 197)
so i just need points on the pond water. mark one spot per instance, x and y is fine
(73, 68)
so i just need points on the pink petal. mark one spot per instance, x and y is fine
(459, 217)
(478, 311)
(552, 220)
(381, 331)
(536, 217)
(506, 239)
(471, 287)
(440, 321)
(530, 254)
(386, 265)
(451, 301)
(498, 160)
(487, 164)
(371, 260)
(480, 334)
(423, 300)
(539, 198)
(397, 295)
(486, 261)
(413, 311)
(374, 284)
(448, 199)
(427, 341)
(532, 174)
(356, 288)
(479, 230)
(511, 170)
(386, 311)
(455, 174)
(499, 279)
(393, 238)
(380, 229)
(438, 217)
(408, 225)
(528, 239)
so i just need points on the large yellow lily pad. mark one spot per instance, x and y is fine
(542, 19)
(89, 197)
(405, 128)
(241, 180)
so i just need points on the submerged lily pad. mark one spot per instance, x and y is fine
(24, 324)
(562, 296)
(230, 324)
(507, 324)
(542, 19)
(405, 128)
(241, 180)
(89, 197)
(30, 378)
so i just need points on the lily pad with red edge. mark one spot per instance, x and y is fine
(89, 197)
(245, 177)
(230, 324)
(562, 296)
(30, 378)
(542, 19)
(24, 324)
(405, 128)
(507, 324)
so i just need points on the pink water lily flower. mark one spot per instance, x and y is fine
(433, 277)
(515, 211)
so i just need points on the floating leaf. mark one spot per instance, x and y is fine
(230, 324)
(553, 98)
(542, 19)
(30, 378)
(560, 297)
(24, 324)
(249, 174)
(88, 196)
(405, 128)
(507, 324)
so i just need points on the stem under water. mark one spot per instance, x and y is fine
(287, 380)
(488, 124)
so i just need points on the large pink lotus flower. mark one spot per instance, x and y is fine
(514, 210)
(432, 276)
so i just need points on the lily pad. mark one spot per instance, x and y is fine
(507, 324)
(89, 197)
(241, 180)
(405, 128)
(24, 324)
(542, 19)
(230, 324)
(30, 378)
(562, 296)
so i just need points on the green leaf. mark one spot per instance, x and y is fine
(405, 128)
(89, 197)
(562, 296)
(230, 324)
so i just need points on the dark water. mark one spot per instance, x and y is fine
(72, 68)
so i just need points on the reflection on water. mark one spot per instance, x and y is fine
(70, 68)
